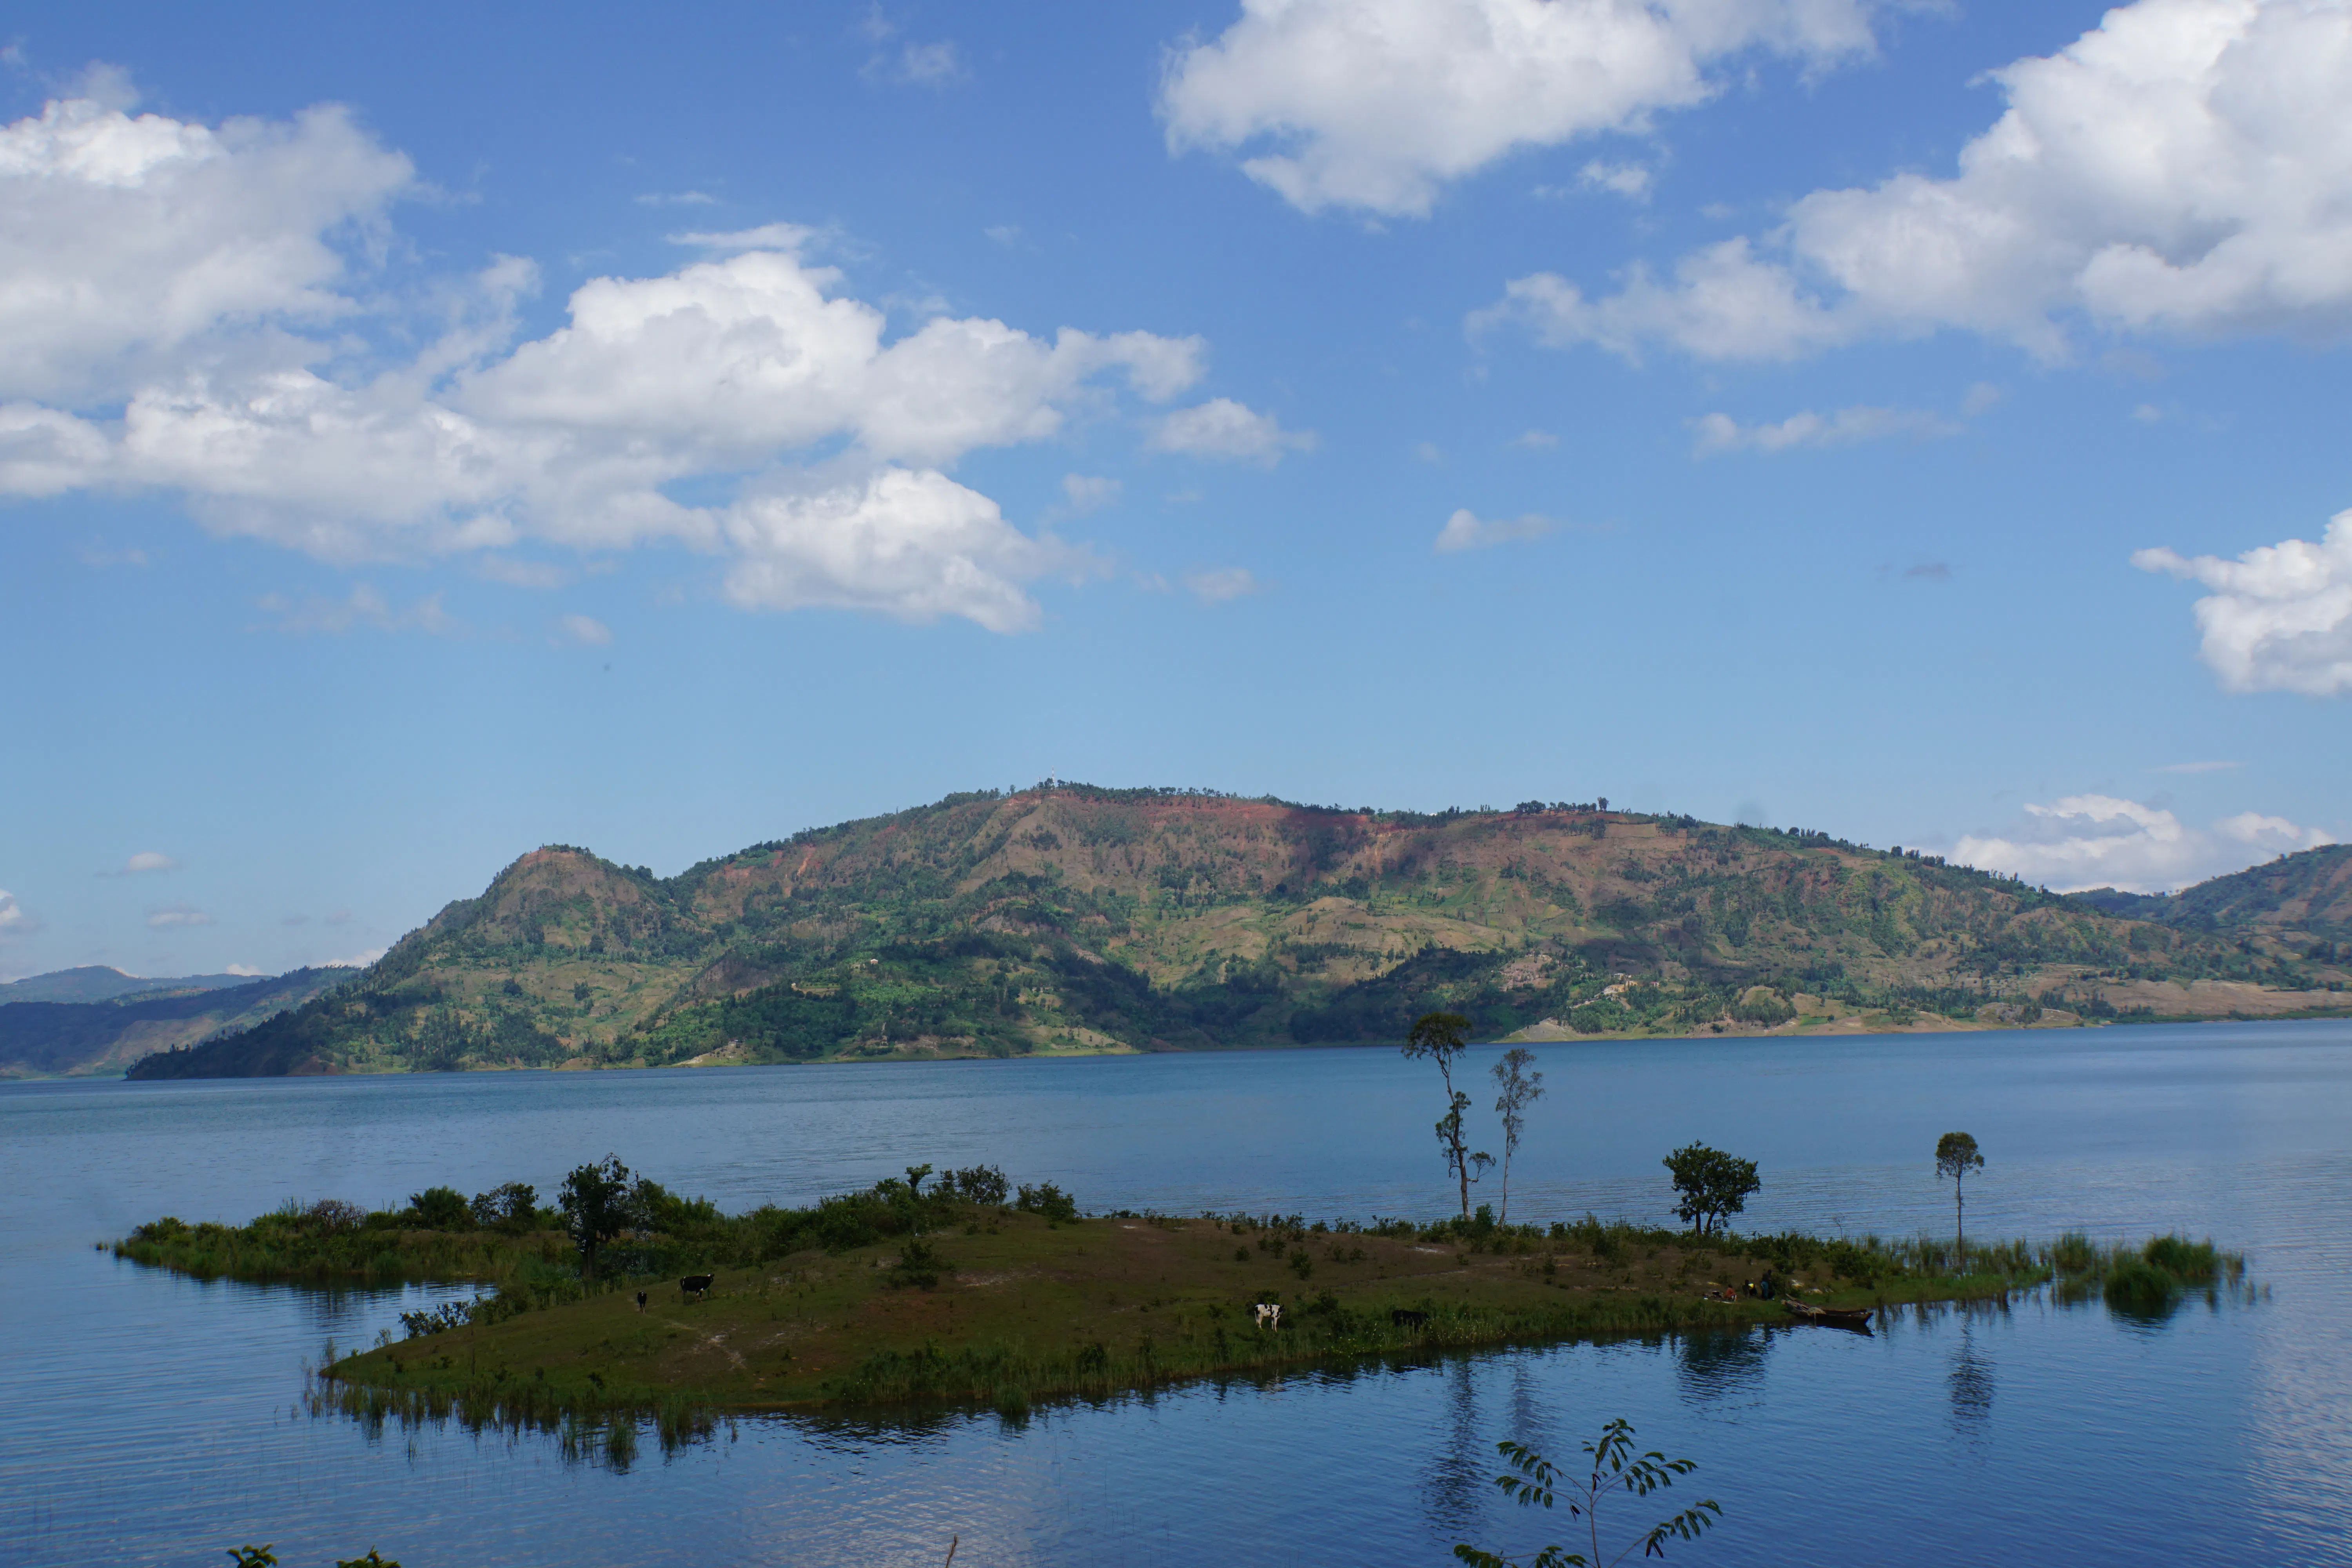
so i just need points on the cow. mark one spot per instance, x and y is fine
(641, 1300)
(696, 1285)
(1269, 1315)
(1405, 1317)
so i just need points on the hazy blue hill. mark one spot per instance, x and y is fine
(96, 983)
(1078, 919)
(46, 1039)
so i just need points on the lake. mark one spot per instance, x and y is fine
(148, 1419)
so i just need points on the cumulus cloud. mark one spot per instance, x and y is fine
(1225, 582)
(1464, 530)
(905, 542)
(150, 861)
(2280, 617)
(1719, 433)
(2179, 167)
(16, 920)
(240, 968)
(169, 917)
(1221, 427)
(584, 631)
(1375, 104)
(2096, 840)
(356, 961)
(162, 286)
(127, 241)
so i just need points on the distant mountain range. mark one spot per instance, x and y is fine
(96, 983)
(1072, 918)
(44, 1038)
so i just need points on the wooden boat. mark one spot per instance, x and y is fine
(1835, 1317)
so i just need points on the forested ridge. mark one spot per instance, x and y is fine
(1072, 917)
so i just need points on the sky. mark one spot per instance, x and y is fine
(434, 431)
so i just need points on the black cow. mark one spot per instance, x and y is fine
(1405, 1317)
(641, 1300)
(696, 1285)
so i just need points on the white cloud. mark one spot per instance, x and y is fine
(170, 916)
(2280, 617)
(586, 631)
(1535, 440)
(2182, 167)
(150, 861)
(364, 608)
(127, 242)
(2096, 840)
(1221, 427)
(750, 361)
(16, 920)
(1218, 586)
(1089, 492)
(356, 961)
(1630, 181)
(905, 542)
(1376, 103)
(1462, 530)
(1721, 432)
(241, 969)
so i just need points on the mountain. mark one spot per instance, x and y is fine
(1077, 919)
(42, 1039)
(2300, 900)
(96, 982)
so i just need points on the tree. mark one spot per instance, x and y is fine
(1442, 1037)
(1521, 1088)
(1956, 1156)
(1614, 1466)
(596, 1208)
(1713, 1185)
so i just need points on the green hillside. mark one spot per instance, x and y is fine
(55, 1039)
(2301, 900)
(1075, 919)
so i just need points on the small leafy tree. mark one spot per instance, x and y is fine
(1533, 1479)
(1956, 1156)
(1713, 1185)
(442, 1209)
(1520, 1089)
(596, 1208)
(915, 1175)
(1442, 1037)
(509, 1207)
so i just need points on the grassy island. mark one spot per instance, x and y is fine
(966, 1292)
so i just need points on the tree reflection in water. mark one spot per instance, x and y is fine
(1712, 1368)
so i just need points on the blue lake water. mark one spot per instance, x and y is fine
(149, 1419)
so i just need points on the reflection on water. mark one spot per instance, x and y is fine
(154, 1419)
(1970, 1381)
(1719, 1367)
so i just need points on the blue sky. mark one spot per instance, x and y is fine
(428, 434)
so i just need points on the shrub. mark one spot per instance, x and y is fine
(513, 1207)
(2136, 1284)
(442, 1209)
(1046, 1199)
(979, 1185)
(919, 1264)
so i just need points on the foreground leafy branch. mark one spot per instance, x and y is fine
(1533, 1479)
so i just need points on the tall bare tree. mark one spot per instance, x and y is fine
(1442, 1037)
(1520, 1089)
(1956, 1156)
